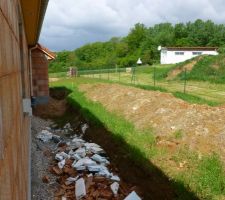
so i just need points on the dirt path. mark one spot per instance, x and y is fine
(202, 127)
(150, 183)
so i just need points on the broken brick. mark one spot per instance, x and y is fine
(45, 179)
(56, 170)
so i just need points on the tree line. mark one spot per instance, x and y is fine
(141, 42)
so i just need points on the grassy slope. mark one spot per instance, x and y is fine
(209, 68)
(205, 177)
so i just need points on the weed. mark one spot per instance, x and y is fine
(178, 134)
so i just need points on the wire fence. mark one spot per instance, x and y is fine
(155, 78)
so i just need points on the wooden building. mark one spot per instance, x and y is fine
(20, 25)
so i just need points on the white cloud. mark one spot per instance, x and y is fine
(71, 23)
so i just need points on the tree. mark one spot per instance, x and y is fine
(136, 36)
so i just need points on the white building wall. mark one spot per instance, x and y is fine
(170, 57)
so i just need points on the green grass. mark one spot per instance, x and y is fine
(210, 171)
(205, 177)
(194, 99)
(209, 68)
(57, 75)
(178, 134)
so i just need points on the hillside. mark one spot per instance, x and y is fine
(141, 42)
(203, 68)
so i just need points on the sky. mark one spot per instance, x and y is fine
(69, 24)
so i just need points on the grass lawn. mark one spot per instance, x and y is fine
(210, 91)
(205, 177)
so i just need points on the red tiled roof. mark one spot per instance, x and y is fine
(45, 50)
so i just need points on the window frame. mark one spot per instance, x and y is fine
(196, 53)
(179, 53)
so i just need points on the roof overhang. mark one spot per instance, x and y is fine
(50, 55)
(190, 48)
(33, 16)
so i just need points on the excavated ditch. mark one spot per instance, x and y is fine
(147, 180)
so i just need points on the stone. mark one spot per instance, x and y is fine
(80, 190)
(132, 196)
(115, 187)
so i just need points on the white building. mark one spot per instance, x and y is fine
(172, 55)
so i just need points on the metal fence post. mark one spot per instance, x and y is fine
(133, 78)
(185, 80)
(154, 76)
(119, 75)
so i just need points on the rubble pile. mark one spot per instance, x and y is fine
(83, 169)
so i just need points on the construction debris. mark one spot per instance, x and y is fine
(132, 196)
(45, 179)
(84, 127)
(44, 136)
(115, 187)
(80, 190)
(83, 168)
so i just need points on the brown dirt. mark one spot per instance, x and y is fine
(174, 73)
(202, 127)
(150, 182)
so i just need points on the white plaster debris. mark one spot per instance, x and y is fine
(99, 159)
(115, 178)
(97, 150)
(81, 152)
(83, 163)
(84, 127)
(115, 187)
(132, 196)
(44, 136)
(61, 164)
(67, 126)
(61, 156)
(80, 190)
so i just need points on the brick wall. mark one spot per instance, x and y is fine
(40, 76)
(14, 86)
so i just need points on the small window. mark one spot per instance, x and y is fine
(197, 53)
(179, 53)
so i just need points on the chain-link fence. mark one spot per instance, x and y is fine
(157, 77)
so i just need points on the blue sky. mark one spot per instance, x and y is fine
(70, 24)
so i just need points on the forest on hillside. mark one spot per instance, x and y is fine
(141, 42)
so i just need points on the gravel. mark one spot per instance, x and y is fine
(40, 163)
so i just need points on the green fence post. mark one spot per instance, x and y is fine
(185, 80)
(133, 75)
(119, 75)
(108, 74)
(154, 75)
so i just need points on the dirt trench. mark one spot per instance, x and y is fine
(147, 180)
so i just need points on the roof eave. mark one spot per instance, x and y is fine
(33, 15)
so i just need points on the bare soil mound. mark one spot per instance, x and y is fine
(199, 127)
(189, 66)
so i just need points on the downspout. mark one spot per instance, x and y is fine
(30, 134)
